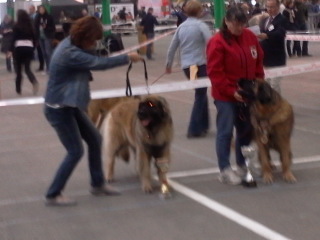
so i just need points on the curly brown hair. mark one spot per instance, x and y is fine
(85, 31)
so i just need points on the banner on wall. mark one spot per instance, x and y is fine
(155, 4)
(116, 7)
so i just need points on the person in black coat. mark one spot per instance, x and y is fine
(7, 35)
(22, 47)
(45, 31)
(272, 38)
(148, 23)
(289, 14)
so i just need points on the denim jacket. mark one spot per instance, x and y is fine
(69, 74)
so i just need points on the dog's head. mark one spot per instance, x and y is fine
(246, 89)
(257, 91)
(152, 111)
(265, 94)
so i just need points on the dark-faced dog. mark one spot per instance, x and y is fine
(145, 126)
(272, 119)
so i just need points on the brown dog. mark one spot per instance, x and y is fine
(98, 108)
(272, 118)
(146, 127)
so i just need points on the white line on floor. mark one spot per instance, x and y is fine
(205, 171)
(232, 215)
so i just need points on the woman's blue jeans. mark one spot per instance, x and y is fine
(46, 49)
(230, 115)
(199, 120)
(72, 125)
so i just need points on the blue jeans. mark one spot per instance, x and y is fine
(149, 46)
(199, 120)
(72, 125)
(46, 49)
(229, 115)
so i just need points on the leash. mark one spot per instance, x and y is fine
(165, 74)
(128, 84)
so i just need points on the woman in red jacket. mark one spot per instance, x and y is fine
(232, 54)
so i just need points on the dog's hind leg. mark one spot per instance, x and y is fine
(109, 149)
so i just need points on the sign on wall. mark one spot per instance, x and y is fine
(115, 8)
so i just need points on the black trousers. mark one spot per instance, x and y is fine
(22, 58)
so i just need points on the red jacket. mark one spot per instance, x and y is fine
(227, 63)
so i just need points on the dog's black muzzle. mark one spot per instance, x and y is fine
(246, 89)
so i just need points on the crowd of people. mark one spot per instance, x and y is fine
(233, 53)
(33, 30)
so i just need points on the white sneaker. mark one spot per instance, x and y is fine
(228, 176)
(241, 171)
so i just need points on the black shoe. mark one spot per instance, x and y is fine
(104, 190)
(306, 55)
(199, 135)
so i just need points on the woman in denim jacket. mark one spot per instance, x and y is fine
(66, 102)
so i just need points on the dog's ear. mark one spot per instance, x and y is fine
(164, 105)
(266, 94)
(246, 89)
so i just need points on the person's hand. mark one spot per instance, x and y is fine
(9, 54)
(135, 57)
(238, 97)
(168, 70)
(262, 36)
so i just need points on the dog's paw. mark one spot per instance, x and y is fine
(289, 177)
(147, 188)
(110, 179)
(267, 178)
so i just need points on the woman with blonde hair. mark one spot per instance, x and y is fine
(66, 102)
(191, 37)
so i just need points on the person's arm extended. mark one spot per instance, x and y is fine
(82, 60)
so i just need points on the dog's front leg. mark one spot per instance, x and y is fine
(264, 158)
(162, 165)
(286, 161)
(144, 171)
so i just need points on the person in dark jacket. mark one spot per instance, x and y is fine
(148, 23)
(45, 30)
(301, 24)
(181, 15)
(33, 14)
(289, 14)
(66, 102)
(272, 38)
(256, 10)
(23, 43)
(142, 12)
(7, 34)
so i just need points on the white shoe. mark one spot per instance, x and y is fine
(228, 176)
(241, 171)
